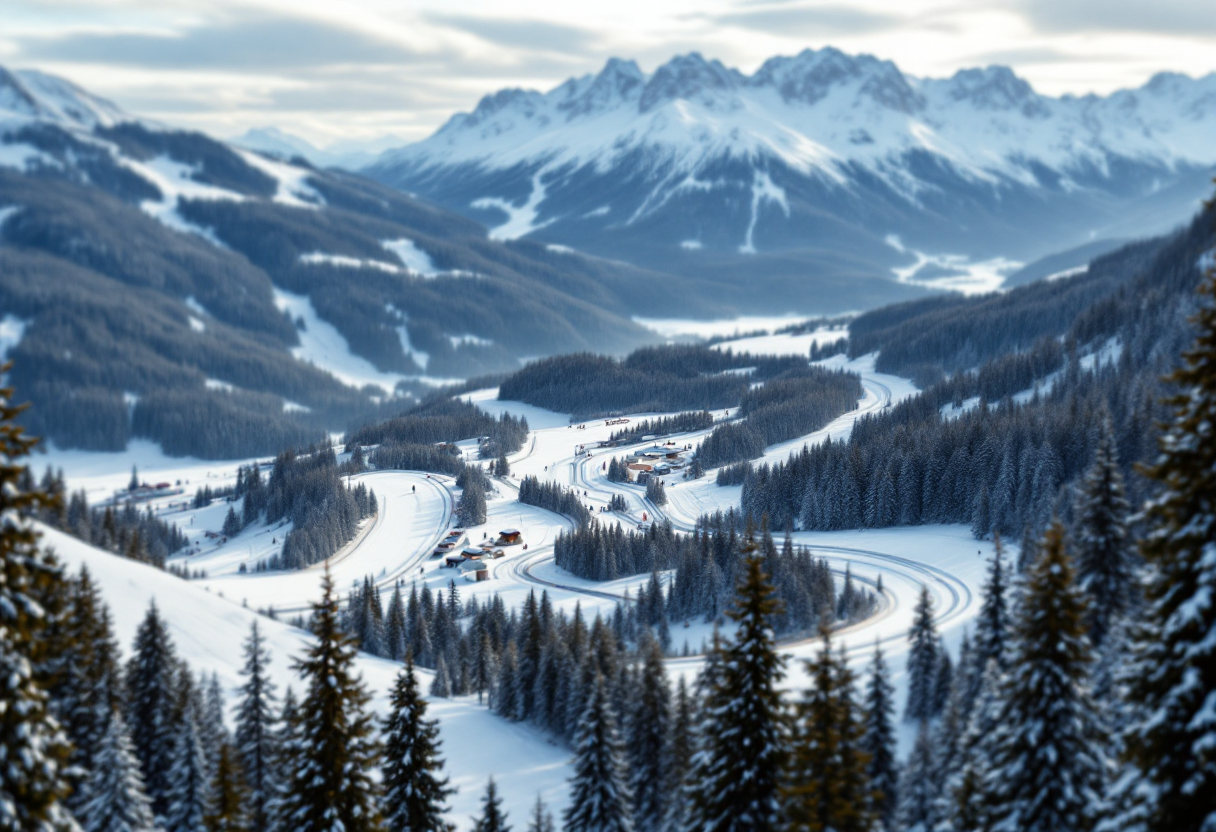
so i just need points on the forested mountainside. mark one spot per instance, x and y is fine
(158, 283)
(807, 183)
(1000, 444)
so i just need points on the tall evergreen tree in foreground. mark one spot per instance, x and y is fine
(116, 798)
(228, 810)
(33, 748)
(189, 785)
(737, 771)
(878, 741)
(255, 728)
(992, 626)
(923, 662)
(1106, 569)
(330, 787)
(1048, 756)
(828, 789)
(493, 818)
(649, 729)
(151, 705)
(1172, 683)
(414, 791)
(600, 799)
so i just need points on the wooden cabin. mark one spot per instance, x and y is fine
(509, 537)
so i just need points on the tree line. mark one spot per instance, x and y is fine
(705, 567)
(792, 405)
(665, 379)
(553, 497)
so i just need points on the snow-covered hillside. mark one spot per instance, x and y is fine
(208, 631)
(698, 156)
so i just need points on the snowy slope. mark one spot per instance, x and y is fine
(209, 630)
(819, 149)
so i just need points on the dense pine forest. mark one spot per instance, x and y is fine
(1001, 448)
(661, 379)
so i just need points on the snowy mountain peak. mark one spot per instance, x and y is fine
(619, 81)
(31, 95)
(687, 77)
(997, 88)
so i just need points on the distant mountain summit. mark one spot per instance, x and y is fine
(822, 177)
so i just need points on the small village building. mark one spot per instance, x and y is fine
(453, 560)
(475, 570)
(509, 537)
(638, 471)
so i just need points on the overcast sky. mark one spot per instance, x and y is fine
(358, 70)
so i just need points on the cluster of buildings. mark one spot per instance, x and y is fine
(471, 560)
(656, 461)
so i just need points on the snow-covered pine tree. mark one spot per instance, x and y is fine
(441, 686)
(212, 729)
(1106, 569)
(287, 750)
(737, 771)
(229, 807)
(255, 728)
(33, 595)
(395, 630)
(415, 793)
(89, 685)
(232, 524)
(493, 818)
(827, 788)
(541, 819)
(151, 705)
(918, 810)
(923, 661)
(330, 786)
(1048, 745)
(681, 744)
(963, 785)
(189, 785)
(1172, 680)
(992, 624)
(648, 732)
(878, 740)
(599, 790)
(943, 682)
(116, 801)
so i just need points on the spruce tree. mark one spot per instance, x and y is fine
(648, 732)
(828, 787)
(992, 627)
(600, 800)
(1048, 754)
(541, 819)
(1106, 570)
(229, 807)
(330, 786)
(189, 784)
(415, 793)
(116, 798)
(918, 811)
(923, 661)
(287, 748)
(737, 770)
(878, 741)
(33, 594)
(255, 728)
(1172, 681)
(152, 706)
(681, 744)
(493, 818)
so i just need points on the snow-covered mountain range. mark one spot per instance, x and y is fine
(826, 159)
(151, 269)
